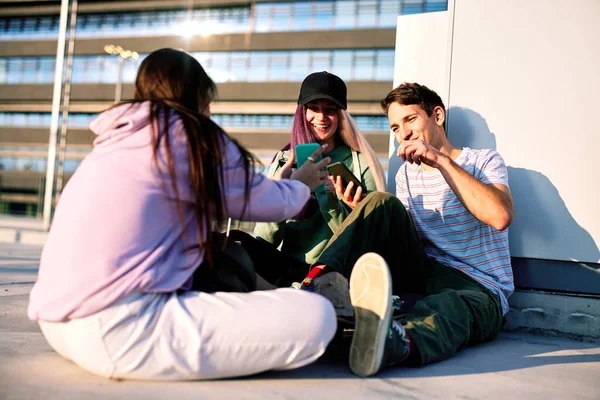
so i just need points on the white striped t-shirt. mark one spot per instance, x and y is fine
(450, 233)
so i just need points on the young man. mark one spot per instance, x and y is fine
(460, 206)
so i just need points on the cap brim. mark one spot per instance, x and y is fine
(308, 99)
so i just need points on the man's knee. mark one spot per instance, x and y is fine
(383, 201)
(486, 312)
(379, 197)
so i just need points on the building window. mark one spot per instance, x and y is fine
(366, 123)
(236, 66)
(240, 66)
(42, 120)
(269, 17)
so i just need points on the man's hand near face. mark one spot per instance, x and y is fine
(417, 151)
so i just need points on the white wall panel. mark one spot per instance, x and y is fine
(522, 77)
(421, 56)
(525, 80)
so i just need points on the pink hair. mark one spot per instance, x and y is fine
(349, 134)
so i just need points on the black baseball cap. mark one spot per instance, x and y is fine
(323, 85)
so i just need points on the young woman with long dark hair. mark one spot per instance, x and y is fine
(133, 233)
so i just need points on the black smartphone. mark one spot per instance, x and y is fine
(340, 169)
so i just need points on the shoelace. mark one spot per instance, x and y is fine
(398, 329)
(397, 302)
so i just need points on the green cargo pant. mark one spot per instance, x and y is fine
(456, 311)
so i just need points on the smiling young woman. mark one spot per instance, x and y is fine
(320, 117)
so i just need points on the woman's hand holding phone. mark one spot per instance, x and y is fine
(310, 172)
(330, 185)
(348, 195)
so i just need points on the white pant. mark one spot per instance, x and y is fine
(197, 335)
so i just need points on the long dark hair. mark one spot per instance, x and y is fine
(175, 82)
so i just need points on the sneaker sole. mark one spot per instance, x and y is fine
(370, 294)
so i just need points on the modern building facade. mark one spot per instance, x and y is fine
(258, 52)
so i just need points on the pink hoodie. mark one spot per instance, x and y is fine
(116, 230)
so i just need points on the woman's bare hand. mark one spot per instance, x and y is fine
(310, 172)
(345, 194)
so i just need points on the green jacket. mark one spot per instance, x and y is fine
(306, 239)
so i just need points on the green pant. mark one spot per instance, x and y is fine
(456, 311)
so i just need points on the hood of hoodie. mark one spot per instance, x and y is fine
(115, 123)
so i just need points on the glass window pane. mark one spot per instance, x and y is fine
(46, 70)
(35, 119)
(109, 23)
(389, 10)
(262, 18)
(384, 67)
(130, 67)
(279, 66)
(321, 60)
(258, 66)
(367, 9)
(281, 17)
(7, 163)
(342, 64)
(372, 123)
(299, 65)
(220, 67)
(15, 27)
(3, 70)
(364, 63)
(70, 165)
(436, 5)
(301, 16)
(239, 66)
(238, 121)
(14, 70)
(38, 164)
(323, 19)
(412, 6)
(284, 121)
(204, 58)
(217, 119)
(49, 27)
(29, 26)
(89, 26)
(345, 14)
(18, 119)
(78, 71)
(102, 69)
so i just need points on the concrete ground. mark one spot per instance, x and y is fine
(515, 366)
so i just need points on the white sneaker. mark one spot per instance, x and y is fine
(371, 296)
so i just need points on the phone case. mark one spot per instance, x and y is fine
(302, 153)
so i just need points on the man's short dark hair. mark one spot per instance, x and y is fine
(413, 93)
